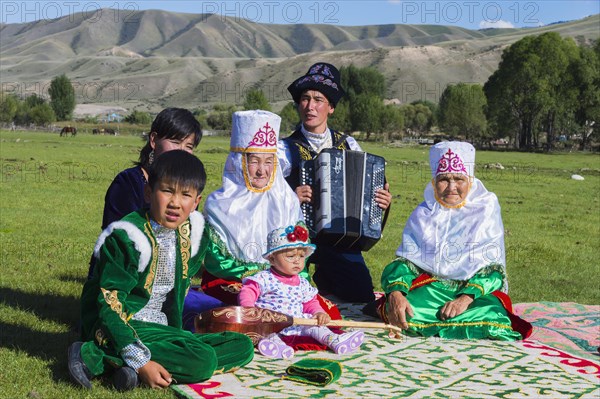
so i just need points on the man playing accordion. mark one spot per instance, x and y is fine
(341, 272)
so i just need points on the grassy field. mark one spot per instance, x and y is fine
(52, 195)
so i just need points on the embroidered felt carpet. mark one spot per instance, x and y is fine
(560, 360)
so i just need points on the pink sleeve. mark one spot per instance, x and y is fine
(313, 306)
(249, 293)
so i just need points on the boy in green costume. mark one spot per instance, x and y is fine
(132, 305)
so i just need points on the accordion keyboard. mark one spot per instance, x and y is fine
(376, 214)
(307, 177)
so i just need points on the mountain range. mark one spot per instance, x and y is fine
(152, 59)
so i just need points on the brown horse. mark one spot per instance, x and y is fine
(112, 132)
(68, 129)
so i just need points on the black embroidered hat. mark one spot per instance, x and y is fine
(322, 77)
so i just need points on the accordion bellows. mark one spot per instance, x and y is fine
(343, 212)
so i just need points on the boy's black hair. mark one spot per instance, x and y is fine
(171, 123)
(180, 168)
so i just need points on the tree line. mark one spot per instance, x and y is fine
(35, 109)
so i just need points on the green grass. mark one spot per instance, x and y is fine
(51, 200)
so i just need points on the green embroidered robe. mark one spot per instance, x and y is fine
(122, 282)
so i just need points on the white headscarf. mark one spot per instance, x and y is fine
(241, 214)
(455, 242)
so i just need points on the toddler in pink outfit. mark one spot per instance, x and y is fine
(280, 288)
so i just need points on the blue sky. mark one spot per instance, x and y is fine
(466, 13)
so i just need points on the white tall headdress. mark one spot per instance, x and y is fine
(241, 214)
(255, 131)
(452, 157)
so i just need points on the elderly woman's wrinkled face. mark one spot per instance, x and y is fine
(260, 169)
(452, 188)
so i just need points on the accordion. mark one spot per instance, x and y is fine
(343, 212)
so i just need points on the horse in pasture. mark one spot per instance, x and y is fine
(112, 132)
(68, 129)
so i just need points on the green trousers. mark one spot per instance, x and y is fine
(485, 317)
(188, 357)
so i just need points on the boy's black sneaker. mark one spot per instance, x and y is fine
(78, 371)
(125, 379)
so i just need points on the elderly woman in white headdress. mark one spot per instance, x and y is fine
(254, 200)
(449, 278)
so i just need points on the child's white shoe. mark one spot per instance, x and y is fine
(273, 346)
(347, 342)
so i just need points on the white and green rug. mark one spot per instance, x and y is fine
(436, 368)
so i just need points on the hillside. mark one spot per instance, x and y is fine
(154, 58)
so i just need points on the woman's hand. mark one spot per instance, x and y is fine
(383, 197)
(322, 318)
(398, 309)
(456, 307)
(154, 375)
(304, 193)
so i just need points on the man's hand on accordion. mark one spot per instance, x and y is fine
(304, 193)
(383, 197)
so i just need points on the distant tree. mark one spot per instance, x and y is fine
(9, 104)
(357, 111)
(201, 116)
(42, 114)
(587, 80)
(139, 118)
(220, 117)
(391, 120)
(256, 99)
(367, 80)
(340, 119)
(532, 87)
(417, 118)
(34, 109)
(289, 119)
(462, 110)
(434, 110)
(62, 97)
(22, 114)
(34, 100)
(364, 113)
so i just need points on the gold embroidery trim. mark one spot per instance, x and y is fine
(327, 302)
(402, 283)
(249, 273)
(304, 153)
(152, 271)
(424, 282)
(112, 300)
(233, 288)
(342, 145)
(258, 150)
(479, 287)
(100, 337)
(458, 324)
(185, 245)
